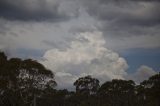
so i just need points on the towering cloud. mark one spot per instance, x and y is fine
(86, 55)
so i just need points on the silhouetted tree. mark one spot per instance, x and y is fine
(22, 80)
(118, 93)
(87, 85)
(27, 82)
(151, 92)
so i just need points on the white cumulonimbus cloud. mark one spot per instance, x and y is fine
(86, 55)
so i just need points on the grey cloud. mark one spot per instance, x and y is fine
(32, 10)
(121, 22)
(124, 14)
(50, 43)
(14, 34)
(53, 44)
(81, 29)
(126, 23)
(3, 28)
(3, 31)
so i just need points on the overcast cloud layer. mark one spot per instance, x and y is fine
(129, 23)
(80, 35)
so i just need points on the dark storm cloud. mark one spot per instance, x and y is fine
(123, 23)
(120, 21)
(31, 10)
(123, 14)
(127, 12)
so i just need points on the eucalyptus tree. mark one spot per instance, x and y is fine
(22, 80)
(87, 85)
(151, 90)
(118, 93)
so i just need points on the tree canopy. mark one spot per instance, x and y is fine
(23, 79)
(28, 83)
(87, 85)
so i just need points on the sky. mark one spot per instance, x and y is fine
(108, 39)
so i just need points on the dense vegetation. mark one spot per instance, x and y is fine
(29, 83)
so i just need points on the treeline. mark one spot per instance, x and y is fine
(29, 83)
